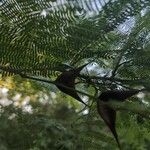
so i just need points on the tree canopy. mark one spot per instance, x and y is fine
(42, 39)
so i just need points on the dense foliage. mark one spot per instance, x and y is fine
(44, 38)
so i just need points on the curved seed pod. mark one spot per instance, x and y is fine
(109, 117)
(67, 79)
(107, 113)
(118, 95)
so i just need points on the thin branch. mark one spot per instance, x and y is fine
(117, 64)
(8, 69)
(138, 81)
(145, 112)
(87, 78)
(19, 72)
(46, 81)
(83, 109)
(125, 62)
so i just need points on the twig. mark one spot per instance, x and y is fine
(44, 80)
(117, 64)
(8, 69)
(118, 106)
(57, 84)
(140, 81)
(19, 72)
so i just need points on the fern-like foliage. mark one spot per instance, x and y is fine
(38, 36)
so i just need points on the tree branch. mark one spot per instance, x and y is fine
(137, 81)
(15, 71)
(118, 106)
(117, 64)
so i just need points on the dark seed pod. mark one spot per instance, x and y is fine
(118, 95)
(109, 116)
(67, 80)
(107, 113)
